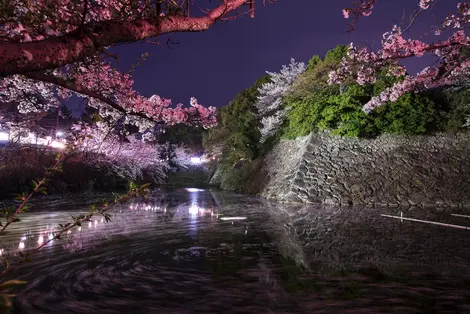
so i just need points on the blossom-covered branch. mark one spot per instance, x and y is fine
(270, 100)
(44, 35)
(50, 50)
(109, 88)
(452, 69)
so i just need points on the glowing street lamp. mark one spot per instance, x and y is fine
(59, 133)
(196, 160)
(4, 136)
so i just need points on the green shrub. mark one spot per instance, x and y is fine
(305, 113)
(242, 178)
(336, 54)
(411, 114)
(312, 63)
(457, 108)
(237, 130)
(343, 114)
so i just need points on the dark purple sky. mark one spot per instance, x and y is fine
(215, 65)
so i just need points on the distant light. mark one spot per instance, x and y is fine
(51, 236)
(56, 144)
(194, 190)
(40, 240)
(196, 160)
(59, 133)
(4, 136)
(232, 218)
(21, 245)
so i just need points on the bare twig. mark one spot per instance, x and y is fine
(36, 188)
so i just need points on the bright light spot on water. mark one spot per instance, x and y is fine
(193, 210)
(89, 224)
(69, 232)
(40, 240)
(232, 218)
(4, 136)
(192, 190)
(21, 245)
(102, 220)
(96, 222)
(23, 238)
(79, 228)
(51, 236)
(1, 252)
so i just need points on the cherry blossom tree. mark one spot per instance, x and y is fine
(50, 50)
(123, 156)
(270, 105)
(453, 64)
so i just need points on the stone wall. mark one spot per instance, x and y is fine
(386, 171)
(280, 167)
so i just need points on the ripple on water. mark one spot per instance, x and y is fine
(180, 258)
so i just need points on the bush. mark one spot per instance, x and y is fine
(411, 114)
(342, 114)
(457, 111)
(242, 178)
(237, 131)
(305, 113)
(314, 105)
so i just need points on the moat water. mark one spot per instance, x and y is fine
(201, 251)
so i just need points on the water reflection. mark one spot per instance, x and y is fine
(220, 252)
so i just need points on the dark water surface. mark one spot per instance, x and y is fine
(201, 251)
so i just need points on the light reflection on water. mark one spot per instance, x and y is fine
(210, 252)
(97, 228)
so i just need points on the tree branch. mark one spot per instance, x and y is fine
(81, 90)
(51, 53)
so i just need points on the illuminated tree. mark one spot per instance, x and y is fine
(453, 64)
(270, 100)
(52, 49)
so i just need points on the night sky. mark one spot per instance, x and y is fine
(215, 65)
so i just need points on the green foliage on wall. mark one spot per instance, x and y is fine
(411, 114)
(314, 105)
(237, 136)
(244, 178)
(457, 103)
(237, 131)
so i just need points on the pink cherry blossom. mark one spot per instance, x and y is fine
(53, 49)
(363, 64)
